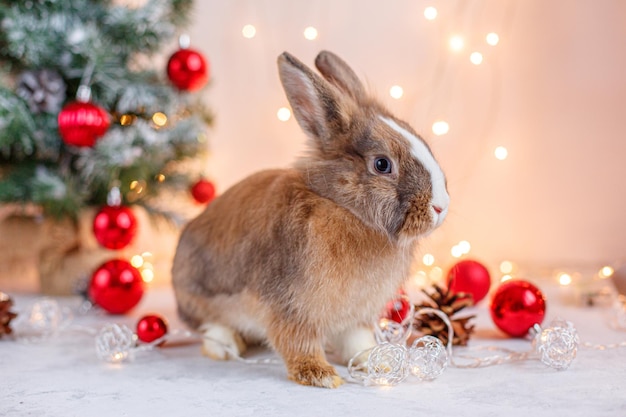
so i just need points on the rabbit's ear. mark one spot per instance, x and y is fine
(337, 72)
(317, 106)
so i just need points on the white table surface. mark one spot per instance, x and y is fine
(63, 377)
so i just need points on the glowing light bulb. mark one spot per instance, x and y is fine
(428, 259)
(501, 153)
(440, 127)
(126, 119)
(420, 279)
(464, 246)
(476, 58)
(606, 271)
(506, 267)
(456, 43)
(396, 92)
(456, 251)
(136, 261)
(248, 31)
(430, 13)
(160, 177)
(492, 38)
(565, 279)
(159, 119)
(283, 114)
(436, 273)
(310, 33)
(147, 275)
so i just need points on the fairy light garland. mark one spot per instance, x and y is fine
(390, 362)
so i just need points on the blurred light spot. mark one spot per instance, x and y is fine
(396, 92)
(283, 114)
(476, 58)
(248, 31)
(310, 33)
(492, 38)
(456, 43)
(440, 127)
(428, 259)
(501, 153)
(506, 267)
(430, 13)
(565, 279)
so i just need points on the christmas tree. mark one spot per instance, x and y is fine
(85, 115)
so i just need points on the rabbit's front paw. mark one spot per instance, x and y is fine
(314, 371)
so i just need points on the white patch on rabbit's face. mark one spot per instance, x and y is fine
(440, 197)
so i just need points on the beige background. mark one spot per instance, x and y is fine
(552, 92)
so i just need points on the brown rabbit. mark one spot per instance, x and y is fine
(306, 257)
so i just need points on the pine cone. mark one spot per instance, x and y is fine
(450, 304)
(43, 90)
(5, 315)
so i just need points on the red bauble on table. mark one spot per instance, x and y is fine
(116, 286)
(397, 309)
(516, 306)
(188, 70)
(151, 327)
(82, 123)
(471, 277)
(203, 191)
(115, 226)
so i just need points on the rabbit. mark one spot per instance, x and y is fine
(306, 257)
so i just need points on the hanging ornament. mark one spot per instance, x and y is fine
(517, 306)
(151, 327)
(115, 226)
(470, 277)
(43, 90)
(116, 286)
(187, 69)
(203, 191)
(82, 123)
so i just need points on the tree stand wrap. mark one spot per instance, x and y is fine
(42, 254)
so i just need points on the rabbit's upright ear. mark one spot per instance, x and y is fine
(318, 107)
(338, 73)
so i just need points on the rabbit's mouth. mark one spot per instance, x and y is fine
(421, 218)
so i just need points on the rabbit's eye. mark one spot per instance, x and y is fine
(382, 165)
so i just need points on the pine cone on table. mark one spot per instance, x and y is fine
(5, 315)
(450, 304)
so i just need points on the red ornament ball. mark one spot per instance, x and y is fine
(188, 70)
(469, 277)
(82, 123)
(203, 191)
(517, 306)
(116, 286)
(397, 309)
(114, 226)
(151, 327)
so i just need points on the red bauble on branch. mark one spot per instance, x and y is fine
(203, 191)
(469, 277)
(151, 327)
(116, 286)
(82, 123)
(188, 70)
(516, 306)
(115, 226)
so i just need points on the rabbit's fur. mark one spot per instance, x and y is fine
(306, 257)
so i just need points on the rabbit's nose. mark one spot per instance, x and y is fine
(437, 209)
